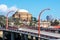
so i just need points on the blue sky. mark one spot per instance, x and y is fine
(35, 7)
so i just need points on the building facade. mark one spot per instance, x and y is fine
(22, 15)
(44, 24)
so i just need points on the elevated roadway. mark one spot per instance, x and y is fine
(33, 32)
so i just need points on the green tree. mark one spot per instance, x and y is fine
(56, 22)
(33, 20)
(2, 20)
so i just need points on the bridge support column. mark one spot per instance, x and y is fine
(31, 37)
(18, 36)
(12, 36)
(22, 36)
(3, 35)
(26, 37)
(36, 38)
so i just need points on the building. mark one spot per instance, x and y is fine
(24, 15)
(44, 24)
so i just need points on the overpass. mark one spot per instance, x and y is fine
(33, 33)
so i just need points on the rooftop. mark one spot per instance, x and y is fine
(22, 10)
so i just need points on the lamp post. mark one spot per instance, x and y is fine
(7, 19)
(39, 21)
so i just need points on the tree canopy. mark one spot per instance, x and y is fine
(56, 22)
(2, 20)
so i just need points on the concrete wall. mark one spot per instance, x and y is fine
(1, 34)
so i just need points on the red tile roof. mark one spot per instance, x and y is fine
(56, 26)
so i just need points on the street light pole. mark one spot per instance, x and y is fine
(39, 21)
(7, 19)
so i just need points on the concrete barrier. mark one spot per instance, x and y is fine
(1, 34)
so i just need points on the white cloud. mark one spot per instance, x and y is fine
(5, 8)
(14, 8)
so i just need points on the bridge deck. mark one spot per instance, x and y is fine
(35, 31)
(42, 32)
